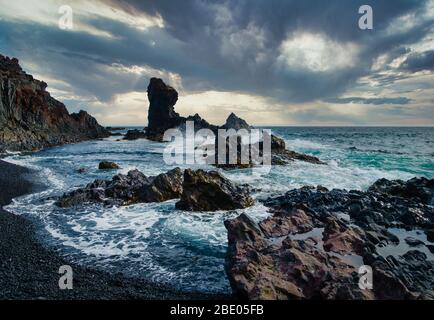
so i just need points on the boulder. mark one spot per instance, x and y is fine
(210, 191)
(134, 135)
(421, 189)
(108, 165)
(30, 119)
(131, 188)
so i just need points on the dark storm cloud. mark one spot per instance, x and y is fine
(419, 61)
(214, 45)
(194, 23)
(376, 101)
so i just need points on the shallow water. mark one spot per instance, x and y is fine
(184, 249)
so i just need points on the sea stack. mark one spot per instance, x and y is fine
(161, 115)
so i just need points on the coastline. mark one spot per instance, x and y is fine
(30, 271)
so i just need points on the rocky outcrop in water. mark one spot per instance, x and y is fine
(162, 116)
(197, 190)
(131, 188)
(315, 241)
(420, 188)
(134, 135)
(31, 119)
(108, 165)
(210, 191)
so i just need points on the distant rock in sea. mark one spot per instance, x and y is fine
(134, 135)
(162, 116)
(31, 119)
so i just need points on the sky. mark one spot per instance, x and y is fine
(272, 62)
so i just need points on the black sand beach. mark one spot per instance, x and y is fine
(29, 271)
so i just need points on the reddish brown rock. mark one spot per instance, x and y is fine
(31, 119)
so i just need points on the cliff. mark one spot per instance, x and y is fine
(31, 119)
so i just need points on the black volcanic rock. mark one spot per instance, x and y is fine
(161, 114)
(31, 119)
(210, 191)
(234, 122)
(134, 135)
(132, 188)
(314, 241)
(107, 165)
(420, 188)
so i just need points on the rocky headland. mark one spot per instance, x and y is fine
(30, 119)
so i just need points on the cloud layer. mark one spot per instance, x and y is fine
(293, 62)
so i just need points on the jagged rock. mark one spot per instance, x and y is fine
(132, 188)
(210, 191)
(234, 122)
(31, 119)
(314, 241)
(279, 154)
(162, 116)
(263, 268)
(420, 188)
(134, 135)
(108, 165)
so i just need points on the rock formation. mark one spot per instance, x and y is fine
(315, 240)
(210, 191)
(162, 116)
(234, 122)
(132, 188)
(31, 119)
(108, 165)
(134, 135)
(420, 188)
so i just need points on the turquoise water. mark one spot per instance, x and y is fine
(184, 249)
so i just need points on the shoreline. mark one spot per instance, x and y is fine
(30, 271)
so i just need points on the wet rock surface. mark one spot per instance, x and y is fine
(108, 165)
(210, 191)
(162, 116)
(419, 188)
(131, 188)
(134, 135)
(31, 119)
(315, 240)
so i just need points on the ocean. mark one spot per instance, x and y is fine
(187, 250)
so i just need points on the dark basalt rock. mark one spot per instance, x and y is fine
(162, 116)
(420, 188)
(236, 123)
(134, 135)
(108, 165)
(31, 119)
(132, 188)
(315, 240)
(279, 154)
(210, 191)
